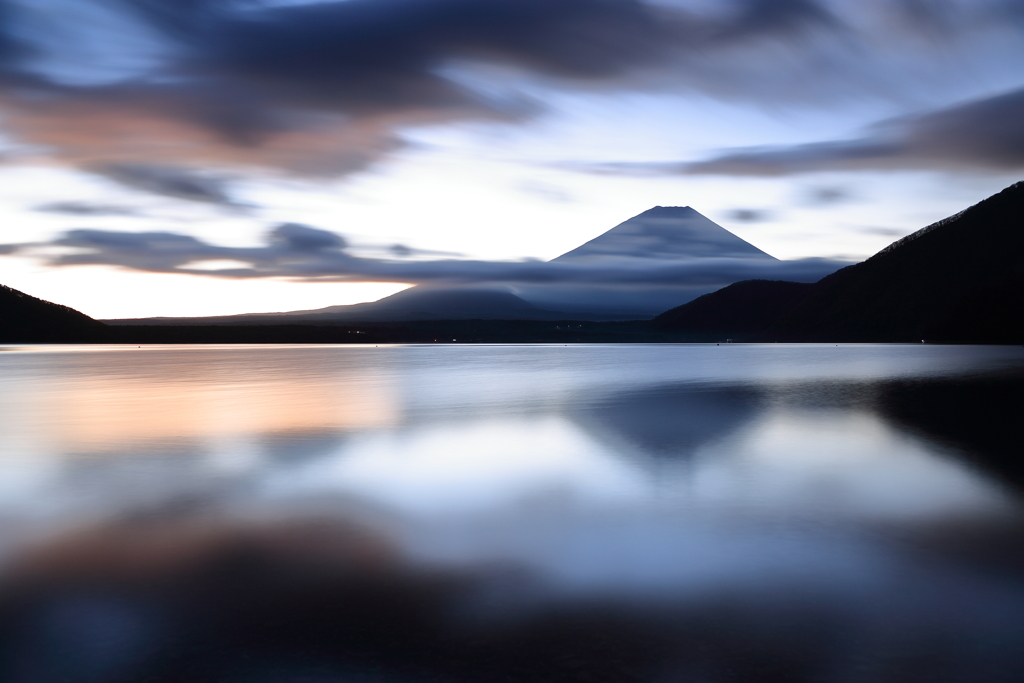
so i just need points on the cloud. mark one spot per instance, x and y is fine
(319, 88)
(328, 87)
(405, 251)
(546, 191)
(305, 253)
(780, 19)
(750, 215)
(987, 135)
(882, 231)
(859, 154)
(302, 238)
(171, 181)
(826, 195)
(80, 208)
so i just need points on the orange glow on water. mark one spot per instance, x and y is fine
(117, 407)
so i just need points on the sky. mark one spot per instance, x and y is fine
(206, 157)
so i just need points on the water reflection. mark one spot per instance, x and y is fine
(618, 513)
(118, 402)
(673, 421)
(978, 416)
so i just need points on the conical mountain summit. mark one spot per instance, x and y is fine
(665, 233)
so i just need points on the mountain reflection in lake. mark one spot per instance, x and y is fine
(524, 513)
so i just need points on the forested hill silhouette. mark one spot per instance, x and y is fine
(26, 319)
(743, 308)
(960, 279)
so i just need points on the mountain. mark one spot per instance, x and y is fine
(664, 233)
(658, 237)
(439, 303)
(960, 279)
(739, 310)
(929, 284)
(26, 319)
(415, 303)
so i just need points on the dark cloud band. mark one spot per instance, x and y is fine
(305, 253)
(987, 134)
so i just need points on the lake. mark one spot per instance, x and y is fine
(700, 513)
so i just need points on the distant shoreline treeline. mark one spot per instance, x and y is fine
(415, 332)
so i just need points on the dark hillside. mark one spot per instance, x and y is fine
(26, 319)
(957, 280)
(737, 311)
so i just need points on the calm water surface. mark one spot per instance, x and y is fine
(476, 513)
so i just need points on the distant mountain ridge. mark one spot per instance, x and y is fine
(657, 237)
(959, 279)
(415, 303)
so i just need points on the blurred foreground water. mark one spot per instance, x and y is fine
(511, 513)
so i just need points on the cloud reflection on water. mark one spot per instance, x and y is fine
(486, 513)
(408, 427)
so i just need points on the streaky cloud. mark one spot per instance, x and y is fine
(82, 208)
(327, 88)
(305, 253)
(172, 181)
(983, 135)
